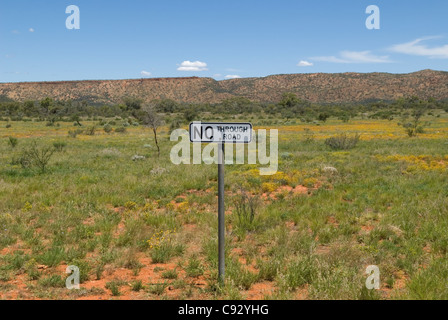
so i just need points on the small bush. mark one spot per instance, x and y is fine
(114, 288)
(299, 273)
(194, 268)
(54, 281)
(246, 209)
(158, 288)
(169, 274)
(90, 131)
(59, 146)
(342, 142)
(74, 134)
(23, 161)
(13, 142)
(166, 251)
(121, 130)
(137, 285)
(108, 128)
(39, 156)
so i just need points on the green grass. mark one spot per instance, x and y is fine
(371, 212)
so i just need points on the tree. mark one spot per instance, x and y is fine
(236, 105)
(416, 125)
(323, 117)
(289, 100)
(29, 108)
(45, 104)
(190, 114)
(75, 118)
(133, 104)
(39, 156)
(149, 117)
(166, 105)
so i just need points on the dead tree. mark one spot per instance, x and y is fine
(150, 118)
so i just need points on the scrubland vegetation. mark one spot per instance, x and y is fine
(354, 189)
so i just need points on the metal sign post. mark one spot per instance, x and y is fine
(222, 133)
(221, 213)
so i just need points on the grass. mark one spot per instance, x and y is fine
(157, 288)
(93, 207)
(170, 274)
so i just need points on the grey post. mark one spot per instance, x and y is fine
(221, 212)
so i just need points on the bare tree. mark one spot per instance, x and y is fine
(149, 117)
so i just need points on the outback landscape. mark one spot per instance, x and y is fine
(362, 180)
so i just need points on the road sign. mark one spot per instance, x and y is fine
(208, 132)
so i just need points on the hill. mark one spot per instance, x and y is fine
(318, 87)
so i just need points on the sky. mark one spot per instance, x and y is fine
(219, 39)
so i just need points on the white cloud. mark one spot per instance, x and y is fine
(416, 48)
(304, 63)
(15, 31)
(192, 66)
(217, 75)
(232, 76)
(31, 30)
(354, 57)
(145, 73)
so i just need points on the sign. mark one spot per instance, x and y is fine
(208, 132)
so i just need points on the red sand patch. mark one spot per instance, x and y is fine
(285, 190)
(259, 291)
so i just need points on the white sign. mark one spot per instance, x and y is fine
(208, 132)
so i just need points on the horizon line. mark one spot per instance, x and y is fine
(197, 77)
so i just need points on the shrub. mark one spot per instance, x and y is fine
(245, 209)
(114, 288)
(52, 257)
(74, 133)
(39, 157)
(342, 142)
(90, 131)
(169, 274)
(299, 273)
(23, 161)
(269, 187)
(309, 135)
(175, 124)
(59, 146)
(108, 128)
(164, 252)
(13, 142)
(269, 269)
(54, 281)
(121, 130)
(158, 288)
(137, 285)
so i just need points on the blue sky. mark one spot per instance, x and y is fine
(219, 39)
